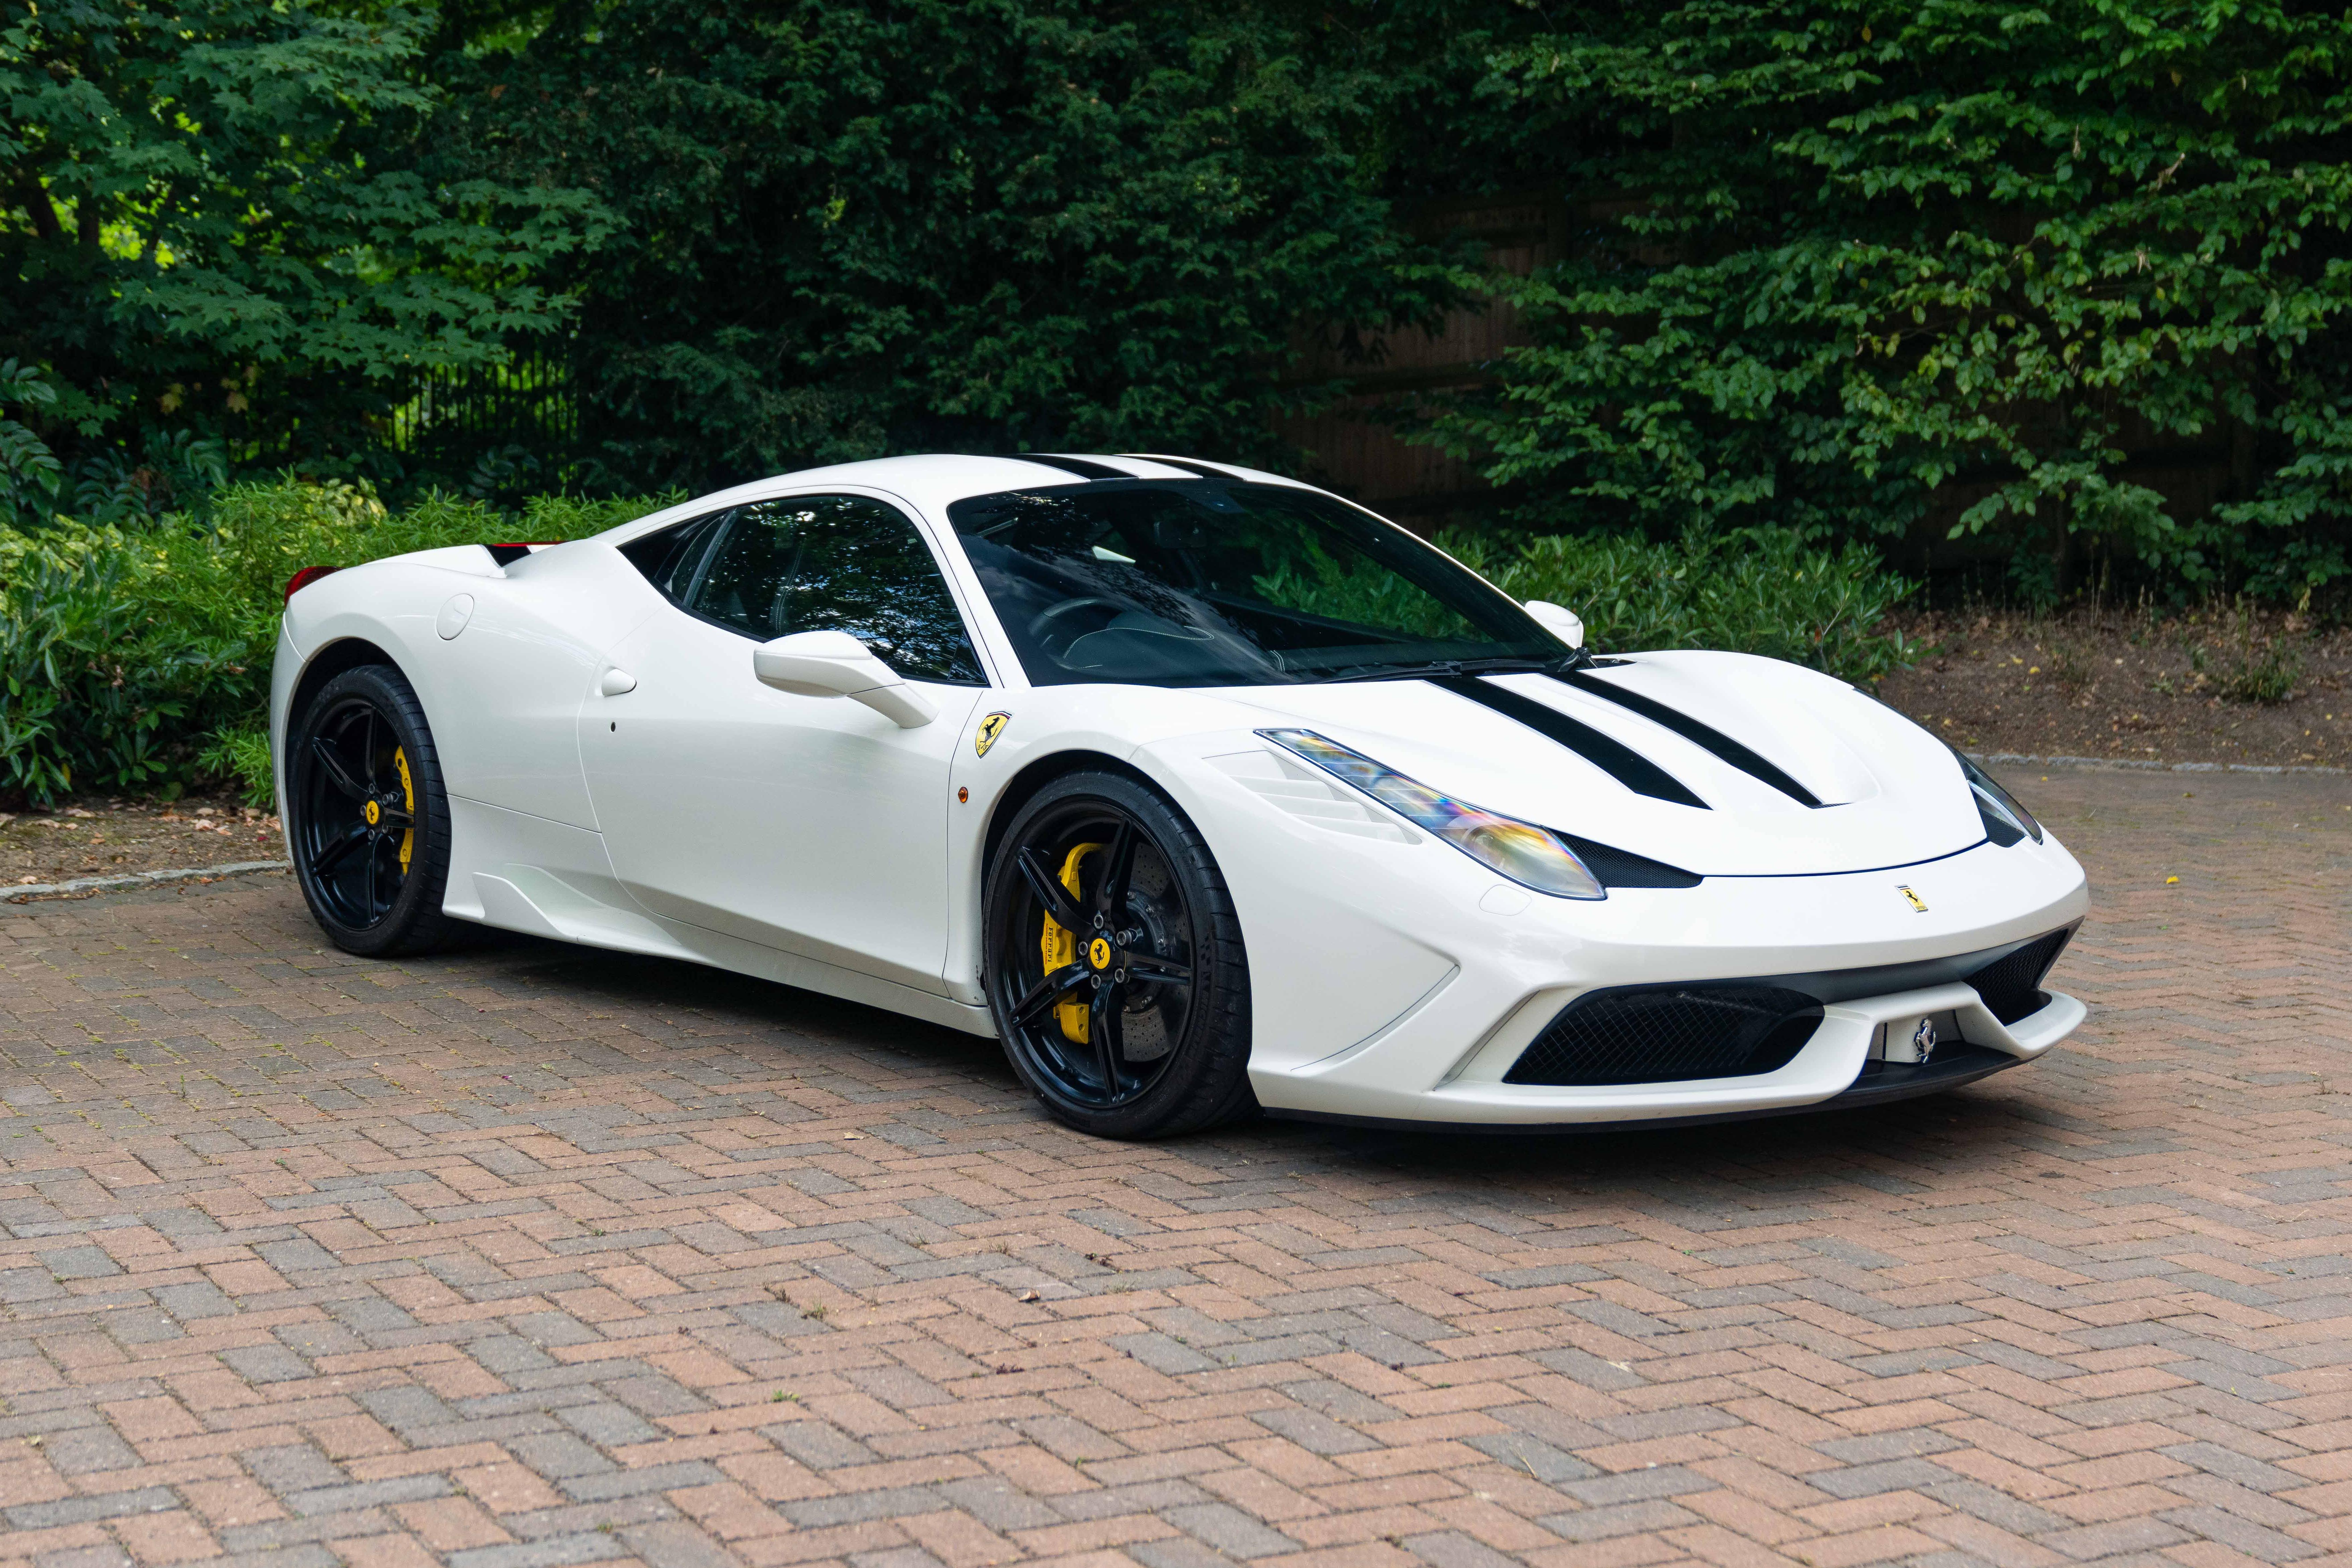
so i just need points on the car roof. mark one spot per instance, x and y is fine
(931, 480)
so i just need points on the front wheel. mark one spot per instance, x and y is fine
(1114, 963)
(367, 817)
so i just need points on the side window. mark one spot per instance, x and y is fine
(669, 557)
(814, 564)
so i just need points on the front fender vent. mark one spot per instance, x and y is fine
(1669, 1034)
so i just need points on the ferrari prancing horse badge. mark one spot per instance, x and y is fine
(990, 728)
(1918, 902)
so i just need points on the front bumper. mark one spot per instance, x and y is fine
(1833, 1066)
(1394, 979)
(1443, 1061)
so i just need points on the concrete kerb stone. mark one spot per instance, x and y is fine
(2139, 765)
(18, 895)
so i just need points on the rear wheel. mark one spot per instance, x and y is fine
(1114, 963)
(367, 817)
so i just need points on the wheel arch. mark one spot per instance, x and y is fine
(1037, 774)
(330, 660)
(1212, 1083)
(342, 653)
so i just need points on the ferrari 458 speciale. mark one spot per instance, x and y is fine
(1202, 790)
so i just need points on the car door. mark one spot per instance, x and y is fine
(811, 824)
(504, 669)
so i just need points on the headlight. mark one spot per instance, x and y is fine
(1520, 851)
(1999, 808)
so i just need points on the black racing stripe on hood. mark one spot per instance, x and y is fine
(1616, 759)
(1697, 734)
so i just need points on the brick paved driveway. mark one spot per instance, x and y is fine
(537, 1257)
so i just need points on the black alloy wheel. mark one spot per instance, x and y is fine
(1114, 964)
(369, 821)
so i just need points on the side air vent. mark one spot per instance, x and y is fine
(1313, 796)
(2011, 986)
(1669, 1034)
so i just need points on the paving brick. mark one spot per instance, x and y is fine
(515, 1258)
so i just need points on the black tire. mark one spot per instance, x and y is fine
(1158, 1041)
(366, 815)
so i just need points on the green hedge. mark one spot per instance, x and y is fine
(1759, 590)
(140, 659)
(2075, 278)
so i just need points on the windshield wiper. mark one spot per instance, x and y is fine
(1436, 668)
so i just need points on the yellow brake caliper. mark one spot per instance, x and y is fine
(1061, 951)
(409, 797)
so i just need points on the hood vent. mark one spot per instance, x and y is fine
(1697, 734)
(1613, 757)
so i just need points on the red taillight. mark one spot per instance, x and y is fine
(305, 577)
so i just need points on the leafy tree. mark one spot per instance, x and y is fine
(227, 234)
(850, 228)
(30, 474)
(1859, 266)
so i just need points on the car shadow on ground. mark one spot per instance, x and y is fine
(1985, 1127)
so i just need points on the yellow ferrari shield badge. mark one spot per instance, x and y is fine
(1098, 953)
(990, 728)
(1918, 902)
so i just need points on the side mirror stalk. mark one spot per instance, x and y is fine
(1562, 623)
(834, 664)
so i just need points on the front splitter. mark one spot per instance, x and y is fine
(1880, 1083)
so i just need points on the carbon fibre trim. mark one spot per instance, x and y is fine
(1081, 467)
(1198, 471)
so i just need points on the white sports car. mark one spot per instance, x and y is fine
(1201, 789)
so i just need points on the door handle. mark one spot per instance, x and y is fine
(617, 682)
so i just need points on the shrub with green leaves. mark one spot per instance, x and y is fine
(134, 660)
(93, 689)
(1762, 590)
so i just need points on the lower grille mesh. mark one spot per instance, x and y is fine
(2011, 986)
(1667, 1033)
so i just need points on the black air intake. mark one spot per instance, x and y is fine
(2011, 986)
(1666, 1034)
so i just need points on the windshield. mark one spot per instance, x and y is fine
(1199, 583)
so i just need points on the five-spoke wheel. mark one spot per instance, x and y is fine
(366, 813)
(1114, 961)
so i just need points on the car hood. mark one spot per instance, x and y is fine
(1723, 765)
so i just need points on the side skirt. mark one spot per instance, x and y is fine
(580, 904)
